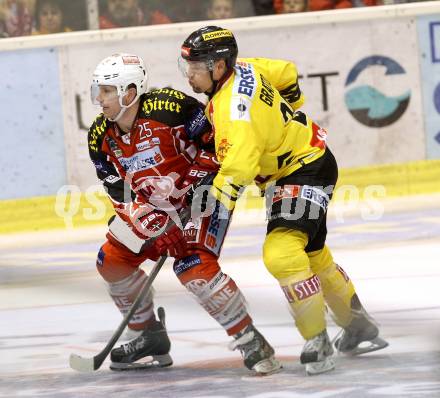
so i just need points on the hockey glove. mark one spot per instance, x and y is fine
(199, 129)
(201, 173)
(165, 236)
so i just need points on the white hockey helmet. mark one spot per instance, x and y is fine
(121, 71)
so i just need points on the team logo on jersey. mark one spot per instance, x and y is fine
(157, 188)
(223, 149)
(143, 145)
(240, 108)
(142, 161)
(192, 230)
(216, 230)
(114, 147)
(197, 124)
(111, 179)
(267, 94)
(242, 92)
(367, 104)
(98, 164)
(315, 195)
(156, 104)
(148, 143)
(286, 192)
(126, 139)
(210, 241)
(319, 136)
(244, 83)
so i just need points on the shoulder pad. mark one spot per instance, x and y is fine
(96, 132)
(168, 92)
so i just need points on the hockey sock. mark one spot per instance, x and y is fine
(337, 287)
(286, 260)
(125, 292)
(303, 292)
(216, 292)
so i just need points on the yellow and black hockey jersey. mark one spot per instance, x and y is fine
(259, 134)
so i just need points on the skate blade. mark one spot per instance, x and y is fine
(374, 345)
(267, 367)
(151, 362)
(314, 368)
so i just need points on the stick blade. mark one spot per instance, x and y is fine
(81, 364)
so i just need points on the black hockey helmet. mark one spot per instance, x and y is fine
(209, 44)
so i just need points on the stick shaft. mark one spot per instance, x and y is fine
(94, 363)
(99, 359)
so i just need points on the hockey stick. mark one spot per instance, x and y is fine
(82, 364)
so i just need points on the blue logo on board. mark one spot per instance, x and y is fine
(370, 105)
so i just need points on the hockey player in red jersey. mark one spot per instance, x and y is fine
(146, 148)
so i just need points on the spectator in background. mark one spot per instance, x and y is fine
(292, 6)
(391, 2)
(365, 3)
(220, 9)
(3, 32)
(155, 14)
(120, 13)
(15, 18)
(319, 5)
(125, 13)
(189, 10)
(263, 7)
(49, 18)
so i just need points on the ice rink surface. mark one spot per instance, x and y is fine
(53, 303)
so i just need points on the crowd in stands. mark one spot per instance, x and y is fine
(33, 17)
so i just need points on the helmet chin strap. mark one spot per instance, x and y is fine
(123, 109)
(214, 85)
(119, 115)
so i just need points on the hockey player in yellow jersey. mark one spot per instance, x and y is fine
(262, 137)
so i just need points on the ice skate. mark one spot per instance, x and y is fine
(361, 330)
(131, 334)
(316, 354)
(257, 353)
(149, 350)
